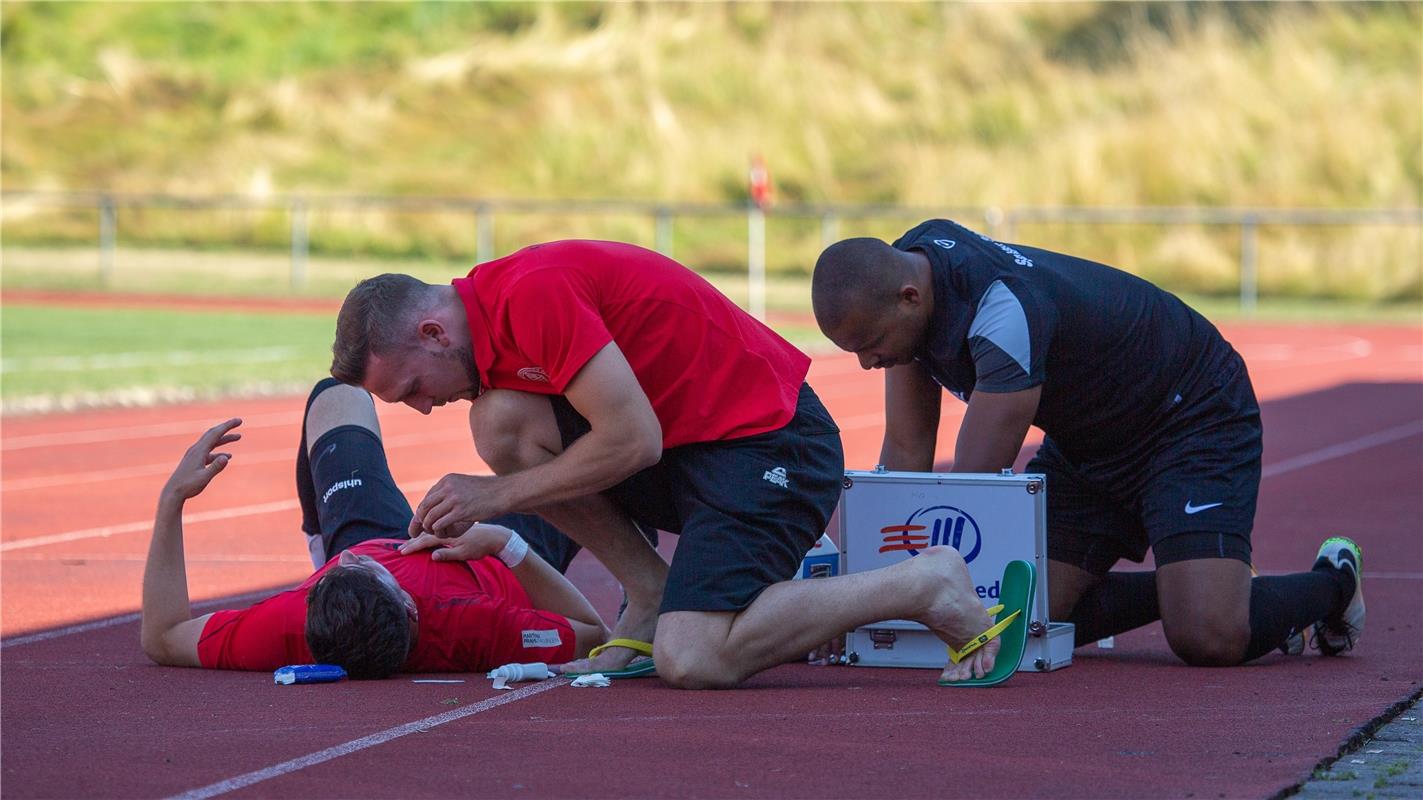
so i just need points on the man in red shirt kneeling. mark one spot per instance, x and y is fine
(614, 391)
(381, 603)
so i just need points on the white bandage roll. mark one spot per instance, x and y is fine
(514, 551)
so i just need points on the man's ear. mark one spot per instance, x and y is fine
(432, 334)
(910, 295)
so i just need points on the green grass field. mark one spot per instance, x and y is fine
(940, 105)
(55, 357)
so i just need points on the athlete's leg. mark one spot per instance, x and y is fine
(749, 510)
(343, 481)
(1088, 532)
(1111, 604)
(1214, 614)
(335, 405)
(719, 649)
(514, 431)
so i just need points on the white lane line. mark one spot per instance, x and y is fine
(188, 519)
(139, 558)
(1279, 468)
(126, 432)
(1343, 449)
(355, 745)
(258, 457)
(110, 622)
(146, 525)
(175, 358)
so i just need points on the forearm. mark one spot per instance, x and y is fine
(975, 459)
(907, 455)
(550, 591)
(165, 580)
(993, 430)
(911, 416)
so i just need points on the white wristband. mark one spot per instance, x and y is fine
(514, 551)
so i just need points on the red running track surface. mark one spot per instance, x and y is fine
(84, 713)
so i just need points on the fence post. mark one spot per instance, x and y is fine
(1249, 278)
(993, 222)
(108, 238)
(662, 231)
(756, 262)
(484, 226)
(829, 229)
(300, 242)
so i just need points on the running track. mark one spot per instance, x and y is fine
(84, 714)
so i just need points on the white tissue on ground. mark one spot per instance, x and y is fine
(595, 680)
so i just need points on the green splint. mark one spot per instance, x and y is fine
(637, 669)
(1010, 626)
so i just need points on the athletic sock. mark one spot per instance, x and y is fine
(1280, 604)
(1121, 602)
(1345, 581)
(305, 486)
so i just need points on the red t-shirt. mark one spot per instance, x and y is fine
(473, 616)
(710, 370)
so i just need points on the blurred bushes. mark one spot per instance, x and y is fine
(937, 105)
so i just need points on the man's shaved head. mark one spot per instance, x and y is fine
(861, 274)
(873, 300)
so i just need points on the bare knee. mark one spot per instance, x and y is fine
(1211, 640)
(513, 430)
(685, 669)
(340, 405)
(1205, 610)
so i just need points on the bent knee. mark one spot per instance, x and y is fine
(694, 673)
(1209, 643)
(513, 430)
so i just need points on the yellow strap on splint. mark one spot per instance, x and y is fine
(984, 638)
(642, 648)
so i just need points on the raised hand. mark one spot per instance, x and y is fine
(200, 464)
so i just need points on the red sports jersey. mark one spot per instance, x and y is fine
(473, 615)
(710, 370)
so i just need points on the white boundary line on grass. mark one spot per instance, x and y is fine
(176, 358)
(320, 756)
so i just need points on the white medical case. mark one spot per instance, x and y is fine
(887, 517)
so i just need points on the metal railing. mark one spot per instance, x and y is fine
(997, 222)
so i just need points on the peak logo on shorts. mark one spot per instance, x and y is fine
(947, 244)
(534, 374)
(778, 477)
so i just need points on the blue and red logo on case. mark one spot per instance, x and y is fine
(935, 525)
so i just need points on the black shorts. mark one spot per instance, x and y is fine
(746, 510)
(348, 496)
(1189, 494)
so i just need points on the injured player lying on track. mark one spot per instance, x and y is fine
(378, 603)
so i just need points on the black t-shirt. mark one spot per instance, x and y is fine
(1113, 353)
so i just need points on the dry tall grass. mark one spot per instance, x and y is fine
(927, 104)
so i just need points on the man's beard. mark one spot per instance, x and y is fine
(465, 358)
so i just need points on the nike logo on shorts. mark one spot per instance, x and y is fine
(1190, 509)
